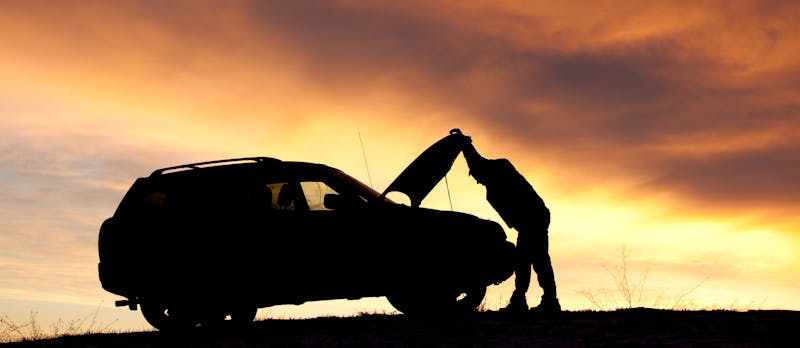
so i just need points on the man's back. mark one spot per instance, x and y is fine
(510, 194)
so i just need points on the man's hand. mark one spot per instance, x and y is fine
(463, 140)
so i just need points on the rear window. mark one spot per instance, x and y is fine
(155, 197)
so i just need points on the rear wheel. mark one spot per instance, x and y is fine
(434, 302)
(167, 319)
(243, 316)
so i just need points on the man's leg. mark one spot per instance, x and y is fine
(522, 274)
(522, 267)
(544, 273)
(543, 267)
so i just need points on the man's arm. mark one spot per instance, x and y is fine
(474, 160)
(471, 155)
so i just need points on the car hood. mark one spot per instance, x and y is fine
(419, 178)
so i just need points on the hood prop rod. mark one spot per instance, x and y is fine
(448, 192)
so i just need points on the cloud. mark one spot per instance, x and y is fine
(583, 91)
(551, 77)
(56, 189)
(751, 178)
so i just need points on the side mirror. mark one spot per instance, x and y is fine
(333, 201)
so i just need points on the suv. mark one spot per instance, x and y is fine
(198, 243)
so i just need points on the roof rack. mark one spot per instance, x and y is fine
(200, 165)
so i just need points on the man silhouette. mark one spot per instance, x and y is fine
(521, 208)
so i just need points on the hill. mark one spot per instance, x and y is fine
(628, 327)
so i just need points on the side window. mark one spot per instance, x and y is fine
(314, 193)
(155, 200)
(302, 196)
(248, 198)
(283, 196)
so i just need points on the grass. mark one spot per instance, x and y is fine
(625, 327)
(629, 292)
(31, 330)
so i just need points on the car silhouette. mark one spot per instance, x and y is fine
(202, 243)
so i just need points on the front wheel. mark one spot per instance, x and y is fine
(434, 302)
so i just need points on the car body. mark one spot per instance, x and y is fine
(196, 243)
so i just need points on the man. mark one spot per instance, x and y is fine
(521, 208)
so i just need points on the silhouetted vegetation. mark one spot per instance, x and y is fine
(11, 331)
(627, 327)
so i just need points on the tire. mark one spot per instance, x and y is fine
(434, 303)
(165, 319)
(243, 316)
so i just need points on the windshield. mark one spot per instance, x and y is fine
(362, 189)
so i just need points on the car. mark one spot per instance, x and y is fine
(209, 243)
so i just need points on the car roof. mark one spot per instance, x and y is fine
(216, 163)
(233, 164)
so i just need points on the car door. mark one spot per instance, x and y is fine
(343, 243)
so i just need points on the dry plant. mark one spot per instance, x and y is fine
(491, 304)
(629, 291)
(11, 331)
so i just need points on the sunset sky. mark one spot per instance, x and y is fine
(667, 131)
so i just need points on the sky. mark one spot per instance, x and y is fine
(664, 136)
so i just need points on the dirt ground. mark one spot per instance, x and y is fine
(630, 327)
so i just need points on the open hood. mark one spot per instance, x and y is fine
(419, 178)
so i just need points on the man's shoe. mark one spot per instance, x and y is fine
(515, 307)
(547, 306)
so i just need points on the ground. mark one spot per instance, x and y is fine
(629, 327)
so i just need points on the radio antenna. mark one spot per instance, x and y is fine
(363, 153)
